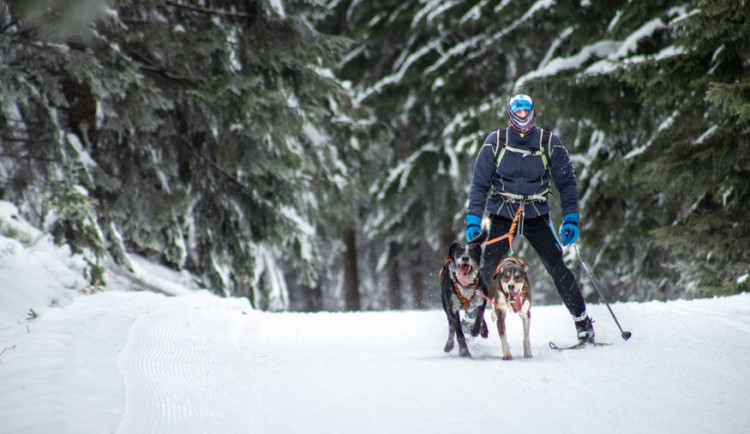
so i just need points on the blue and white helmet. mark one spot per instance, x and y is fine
(521, 102)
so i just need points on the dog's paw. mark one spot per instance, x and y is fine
(465, 352)
(507, 357)
(480, 328)
(449, 346)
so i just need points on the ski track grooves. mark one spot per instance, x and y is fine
(170, 364)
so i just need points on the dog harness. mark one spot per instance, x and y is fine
(465, 302)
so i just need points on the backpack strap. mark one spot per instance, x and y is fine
(500, 142)
(546, 151)
(545, 147)
(498, 150)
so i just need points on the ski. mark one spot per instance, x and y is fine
(578, 346)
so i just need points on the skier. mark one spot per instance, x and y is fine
(513, 167)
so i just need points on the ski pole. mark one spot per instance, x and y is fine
(625, 334)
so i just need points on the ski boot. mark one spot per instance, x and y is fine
(585, 328)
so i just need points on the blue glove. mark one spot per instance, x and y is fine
(473, 226)
(569, 230)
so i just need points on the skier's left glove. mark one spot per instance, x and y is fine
(569, 231)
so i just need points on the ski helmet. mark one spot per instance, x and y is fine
(517, 103)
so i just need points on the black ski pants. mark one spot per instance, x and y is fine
(539, 233)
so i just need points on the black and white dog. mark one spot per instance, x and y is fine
(464, 294)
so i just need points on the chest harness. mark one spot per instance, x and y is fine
(544, 151)
(474, 286)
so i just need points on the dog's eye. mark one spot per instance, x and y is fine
(519, 277)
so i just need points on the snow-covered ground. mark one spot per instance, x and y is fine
(140, 362)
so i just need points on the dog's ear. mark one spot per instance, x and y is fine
(521, 264)
(475, 250)
(498, 270)
(501, 266)
(453, 248)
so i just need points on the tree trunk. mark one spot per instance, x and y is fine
(448, 235)
(394, 286)
(313, 299)
(417, 289)
(351, 273)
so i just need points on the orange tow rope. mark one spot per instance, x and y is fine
(511, 233)
(509, 236)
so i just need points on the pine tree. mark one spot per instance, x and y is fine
(209, 137)
(44, 166)
(702, 92)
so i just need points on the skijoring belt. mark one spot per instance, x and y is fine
(513, 198)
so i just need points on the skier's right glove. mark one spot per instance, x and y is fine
(473, 226)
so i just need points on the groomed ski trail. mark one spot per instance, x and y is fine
(131, 362)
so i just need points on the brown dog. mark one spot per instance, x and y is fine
(510, 291)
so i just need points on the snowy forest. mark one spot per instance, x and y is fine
(316, 155)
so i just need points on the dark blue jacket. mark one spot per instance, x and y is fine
(521, 175)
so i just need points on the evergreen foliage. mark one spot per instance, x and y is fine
(196, 132)
(253, 143)
(704, 154)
